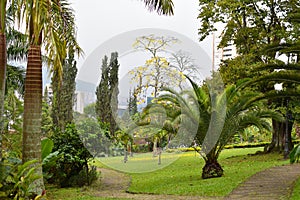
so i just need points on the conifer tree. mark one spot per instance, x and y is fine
(132, 103)
(107, 93)
(102, 93)
(64, 93)
(114, 91)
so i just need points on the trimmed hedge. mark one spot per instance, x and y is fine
(230, 146)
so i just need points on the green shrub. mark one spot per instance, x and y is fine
(72, 160)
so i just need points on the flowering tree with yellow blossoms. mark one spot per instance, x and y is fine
(156, 73)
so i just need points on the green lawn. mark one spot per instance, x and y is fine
(183, 176)
(296, 191)
(139, 163)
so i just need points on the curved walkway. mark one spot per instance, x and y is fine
(270, 184)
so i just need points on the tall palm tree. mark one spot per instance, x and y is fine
(216, 117)
(165, 7)
(49, 23)
(2, 66)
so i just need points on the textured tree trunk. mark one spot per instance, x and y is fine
(2, 89)
(278, 137)
(212, 169)
(33, 113)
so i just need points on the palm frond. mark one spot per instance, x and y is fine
(165, 7)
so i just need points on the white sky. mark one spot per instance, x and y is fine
(99, 20)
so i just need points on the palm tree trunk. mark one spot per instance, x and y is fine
(2, 85)
(33, 113)
(212, 168)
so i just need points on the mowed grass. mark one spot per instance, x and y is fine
(86, 193)
(183, 177)
(296, 191)
(139, 163)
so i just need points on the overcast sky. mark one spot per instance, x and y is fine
(100, 20)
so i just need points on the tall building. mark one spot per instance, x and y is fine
(220, 54)
(84, 95)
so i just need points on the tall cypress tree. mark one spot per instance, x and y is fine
(114, 91)
(64, 93)
(102, 93)
(107, 93)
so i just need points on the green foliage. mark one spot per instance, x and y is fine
(73, 157)
(247, 23)
(47, 123)
(49, 158)
(132, 103)
(90, 111)
(295, 154)
(217, 114)
(95, 136)
(47, 146)
(19, 178)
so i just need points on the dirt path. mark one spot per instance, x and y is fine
(270, 184)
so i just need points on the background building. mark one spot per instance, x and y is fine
(220, 54)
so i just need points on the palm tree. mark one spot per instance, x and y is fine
(216, 117)
(165, 7)
(49, 23)
(2, 66)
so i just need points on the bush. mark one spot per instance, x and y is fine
(73, 158)
(84, 177)
(295, 154)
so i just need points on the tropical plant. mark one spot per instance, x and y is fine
(295, 154)
(47, 22)
(216, 115)
(19, 179)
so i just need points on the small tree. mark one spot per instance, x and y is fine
(216, 116)
(156, 73)
(184, 65)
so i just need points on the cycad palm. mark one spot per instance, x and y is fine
(217, 117)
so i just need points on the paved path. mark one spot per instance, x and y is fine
(270, 184)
